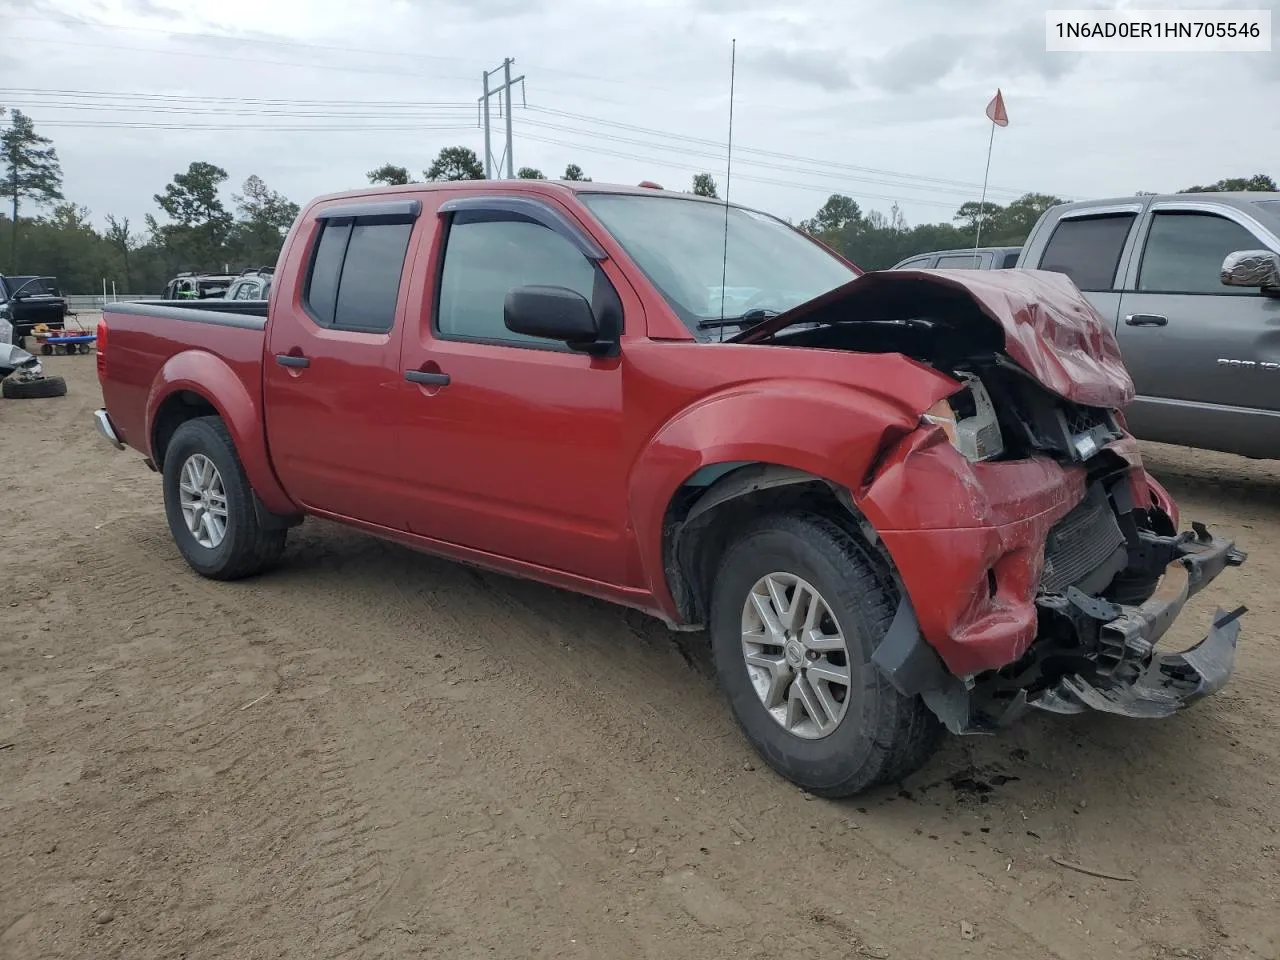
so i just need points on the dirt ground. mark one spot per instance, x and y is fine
(373, 753)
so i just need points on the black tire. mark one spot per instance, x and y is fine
(247, 548)
(883, 736)
(34, 388)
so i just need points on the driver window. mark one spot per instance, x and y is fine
(1184, 254)
(485, 259)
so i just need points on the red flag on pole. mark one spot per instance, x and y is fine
(996, 112)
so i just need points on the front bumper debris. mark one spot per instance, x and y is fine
(1130, 678)
(1170, 681)
(1113, 666)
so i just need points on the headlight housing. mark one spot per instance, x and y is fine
(968, 418)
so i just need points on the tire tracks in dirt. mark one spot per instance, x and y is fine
(584, 692)
(187, 758)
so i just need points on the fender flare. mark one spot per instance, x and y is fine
(212, 378)
(818, 429)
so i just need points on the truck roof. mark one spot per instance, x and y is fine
(544, 187)
(1244, 200)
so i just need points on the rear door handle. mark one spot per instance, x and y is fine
(1146, 320)
(431, 379)
(291, 360)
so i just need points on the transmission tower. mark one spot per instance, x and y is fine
(503, 91)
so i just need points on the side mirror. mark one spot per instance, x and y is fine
(553, 313)
(1252, 268)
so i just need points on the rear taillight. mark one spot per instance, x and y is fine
(102, 348)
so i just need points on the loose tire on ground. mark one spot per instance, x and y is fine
(881, 735)
(245, 547)
(35, 388)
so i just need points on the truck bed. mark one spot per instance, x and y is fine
(167, 341)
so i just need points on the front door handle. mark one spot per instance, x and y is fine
(292, 360)
(1146, 320)
(424, 377)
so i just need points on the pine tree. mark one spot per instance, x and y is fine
(31, 171)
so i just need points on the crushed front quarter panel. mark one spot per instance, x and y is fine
(968, 542)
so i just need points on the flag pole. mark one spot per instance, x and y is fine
(982, 204)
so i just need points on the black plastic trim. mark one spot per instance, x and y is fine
(427, 377)
(536, 210)
(217, 318)
(906, 660)
(409, 209)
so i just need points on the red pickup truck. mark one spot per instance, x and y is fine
(899, 502)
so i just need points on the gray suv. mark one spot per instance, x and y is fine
(1191, 286)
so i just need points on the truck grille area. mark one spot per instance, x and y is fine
(1086, 548)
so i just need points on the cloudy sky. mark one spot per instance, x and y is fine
(880, 101)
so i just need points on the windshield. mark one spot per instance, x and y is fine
(680, 246)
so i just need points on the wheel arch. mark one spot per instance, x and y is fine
(717, 499)
(818, 439)
(196, 383)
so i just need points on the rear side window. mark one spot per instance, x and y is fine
(355, 273)
(958, 262)
(1010, 260)
(1184, 253)
(1087, 249)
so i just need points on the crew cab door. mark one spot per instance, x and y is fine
(332, 379)
(1185, 335)
(514, 445)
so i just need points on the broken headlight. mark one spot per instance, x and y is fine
(969, 420)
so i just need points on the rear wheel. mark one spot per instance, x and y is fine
(210, 505)
(798, 608)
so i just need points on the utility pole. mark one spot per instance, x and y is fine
(504, 91)
(506, 87)
(488, 150)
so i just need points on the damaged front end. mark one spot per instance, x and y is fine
(1080, 594)
(1096, 654)
(1109, 590)
(1038, 564)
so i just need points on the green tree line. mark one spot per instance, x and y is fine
(42, 232)
(876, 241)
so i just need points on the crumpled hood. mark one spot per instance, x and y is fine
(1050, 330)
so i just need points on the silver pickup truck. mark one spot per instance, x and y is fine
(1192, 284)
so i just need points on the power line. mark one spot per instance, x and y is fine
(772, 153)
(273, 127)
(423, 114)
(202, 98)
(329, 48)
(344, 68)
(427, 110)
(718, 154)
(827, 188)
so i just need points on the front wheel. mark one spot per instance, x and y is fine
(210, 505)
(798, 608)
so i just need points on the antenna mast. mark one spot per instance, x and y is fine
(728, 174)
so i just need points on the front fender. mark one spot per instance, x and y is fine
(826, 429)
(212, 378)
